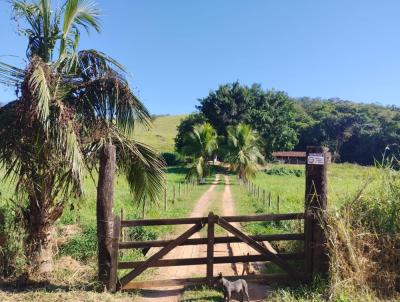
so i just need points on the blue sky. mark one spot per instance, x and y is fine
(177, 51)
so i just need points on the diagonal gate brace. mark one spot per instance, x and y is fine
(161, 253)
(259, 248)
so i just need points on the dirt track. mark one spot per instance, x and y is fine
(172, 294)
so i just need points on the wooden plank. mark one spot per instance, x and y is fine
(308, 249)
(112, 281)
(210, 248)
(270, 278)
(267, 217)
(167, 221)
(216, 260)
(161, 253)
(259, 248)
(197, 241)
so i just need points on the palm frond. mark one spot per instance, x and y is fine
(10, 75)
(79, 13)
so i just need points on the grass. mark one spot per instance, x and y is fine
(162, 134)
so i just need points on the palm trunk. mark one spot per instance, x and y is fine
(104, 210)
(39, 248)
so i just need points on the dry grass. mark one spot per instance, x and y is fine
(362, 263)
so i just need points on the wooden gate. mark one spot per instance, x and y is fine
(280, 259)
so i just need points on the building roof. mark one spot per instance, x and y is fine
(289, 154)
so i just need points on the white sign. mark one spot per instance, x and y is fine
(315, 159)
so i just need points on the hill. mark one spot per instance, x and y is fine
(162, 134)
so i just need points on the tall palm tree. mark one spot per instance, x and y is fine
(243, 152)
(69, 106)
(200, 144)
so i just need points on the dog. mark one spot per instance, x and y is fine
(239, 286)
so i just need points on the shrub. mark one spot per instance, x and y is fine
(82, 247)
(172, 158)
(12, 258)
(284, 171)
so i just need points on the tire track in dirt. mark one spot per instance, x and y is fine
(172, 293)
(257, 292)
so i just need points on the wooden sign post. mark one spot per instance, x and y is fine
(315, 207)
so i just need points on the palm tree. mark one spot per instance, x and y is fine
(243, 153)
(200, 144)
(70, 107)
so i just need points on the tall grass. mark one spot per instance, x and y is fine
(364, 239)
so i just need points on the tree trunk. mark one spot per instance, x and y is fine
(104, 210)
(39, 245)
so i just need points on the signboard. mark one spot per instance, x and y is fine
(315, 159)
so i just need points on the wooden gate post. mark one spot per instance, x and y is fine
(104, 211)
(112, 281)
(210, 248)
(315, 207)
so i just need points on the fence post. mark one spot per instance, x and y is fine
(121, 234)
(173, 194)
(269, 201)
(263, 198)
(315, 206)
(258, 193)
(277, 204)
(165, 198)
(112, 281)
(210, 249)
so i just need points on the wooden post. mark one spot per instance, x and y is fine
(263, 199)
(269, 201)
(210, 249)
(277, 204)
(165, 198)
(112, 281)
(104, 211)
(315, 205)
(122, 232)
(179, 190)
(173, 194)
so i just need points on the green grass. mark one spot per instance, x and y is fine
(162, 135)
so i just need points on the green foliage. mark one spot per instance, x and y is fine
(199, 144)
(12, 236)
(242, 151)
(353, 132)
(82, 247)
(172, 158)
(284, 171)
(185, 126)
(270, 113)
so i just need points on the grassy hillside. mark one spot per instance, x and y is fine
(162, 135)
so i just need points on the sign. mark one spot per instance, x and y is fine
(315, 159)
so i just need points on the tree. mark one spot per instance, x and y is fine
(69, 107)
(185, 126)
(243, 152)
(271, 113)
(199, 144)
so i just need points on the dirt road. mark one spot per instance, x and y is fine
(172, 294)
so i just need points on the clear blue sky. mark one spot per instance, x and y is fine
(177, 51)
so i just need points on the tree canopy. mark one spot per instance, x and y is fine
(354, 132)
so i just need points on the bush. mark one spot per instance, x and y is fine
(284, 171)
(82, 247)
(12, 258)
(172, 159)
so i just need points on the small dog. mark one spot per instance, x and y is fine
(238, 286)
(247, 268)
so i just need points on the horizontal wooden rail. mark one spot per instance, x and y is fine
(267, 217)
(203, 260)
(166, 221)
(197, 241)
(193, 220)
(270, 278)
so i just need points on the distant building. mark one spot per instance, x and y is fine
(293, 157)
